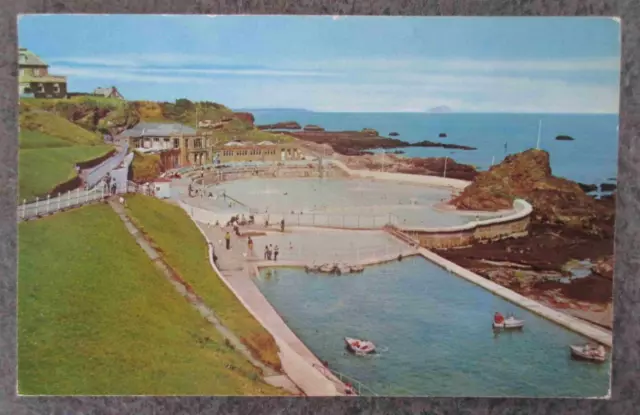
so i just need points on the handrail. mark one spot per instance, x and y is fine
(359, 385)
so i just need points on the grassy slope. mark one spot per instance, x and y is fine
(185, 250)
(96, 317)
(57, 126)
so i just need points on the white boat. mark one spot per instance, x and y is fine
(509, 323)
(360, 347)
(589, 352)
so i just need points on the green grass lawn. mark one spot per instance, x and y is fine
(42, 169)
(37, 139)
(186, 251)
(96, 317)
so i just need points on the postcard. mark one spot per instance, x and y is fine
(316, 205)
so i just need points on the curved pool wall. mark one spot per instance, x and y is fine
(434, 330)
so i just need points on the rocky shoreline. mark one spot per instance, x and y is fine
(568, 226)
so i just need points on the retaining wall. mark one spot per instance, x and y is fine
(510, 226)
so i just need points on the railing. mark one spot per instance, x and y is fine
(63, 201)
(360, 388)
(329, 220)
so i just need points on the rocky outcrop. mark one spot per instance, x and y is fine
(312, 127)
(370, 132)
(245, 117)
(286, 125)
(564, 138)
(555, 200)
(588, 187)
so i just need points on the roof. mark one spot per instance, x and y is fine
(26, 57)
(43, 79)
(234, 143)
(105, 91)
(161, 180)
(157, 129)
(266, 143)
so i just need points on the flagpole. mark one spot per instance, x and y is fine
(539, 131)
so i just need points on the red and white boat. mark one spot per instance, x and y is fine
(360, 347)
(499, 322)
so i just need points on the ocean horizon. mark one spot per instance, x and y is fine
(591, 158)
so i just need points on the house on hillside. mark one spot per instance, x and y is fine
(34, 79)
(111, 92)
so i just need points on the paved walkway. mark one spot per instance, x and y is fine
(271, 376)
(297, 360)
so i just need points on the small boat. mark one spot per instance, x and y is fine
(589, 352)
(360, 347)
(509, 323)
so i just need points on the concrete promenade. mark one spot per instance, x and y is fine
(298, 362)
(576, 325)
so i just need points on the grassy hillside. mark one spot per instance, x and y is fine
(42, 169)
(57, 126)
(185, 250)
(95, 317)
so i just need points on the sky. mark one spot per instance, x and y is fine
(339, 64)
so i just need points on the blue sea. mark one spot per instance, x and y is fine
(591, 158)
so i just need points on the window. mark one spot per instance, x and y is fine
(56, 88)
(176, 143)
(41, 88)
(197, 143)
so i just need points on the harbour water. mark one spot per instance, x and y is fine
(433, 331)
(595, 144)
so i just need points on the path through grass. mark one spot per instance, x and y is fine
(185, 250)
(96, 317)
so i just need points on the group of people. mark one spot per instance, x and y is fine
(271, 252)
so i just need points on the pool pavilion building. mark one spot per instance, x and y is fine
(180, 145)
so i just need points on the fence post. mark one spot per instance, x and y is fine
(313, 219)
(24, 208)
(36, 206)
(58, 200)
(102, 193)
(77, 195)
(68, 198)
(48, 200)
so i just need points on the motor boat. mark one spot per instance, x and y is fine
(589, 352)
(510, 323)
(360, 347)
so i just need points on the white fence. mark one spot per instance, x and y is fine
(344, 221)
(64, 201)
(95, 175)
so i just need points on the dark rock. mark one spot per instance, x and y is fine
(285, 125)
(588, 187)
(393, 134)
(311, 127)
(442, 135)
(427, 143)
(564, 138)
(607, 187)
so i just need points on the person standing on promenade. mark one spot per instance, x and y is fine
(282, 225)
(227, 238)
(266, 252)
(275, 253)
(250, 245)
